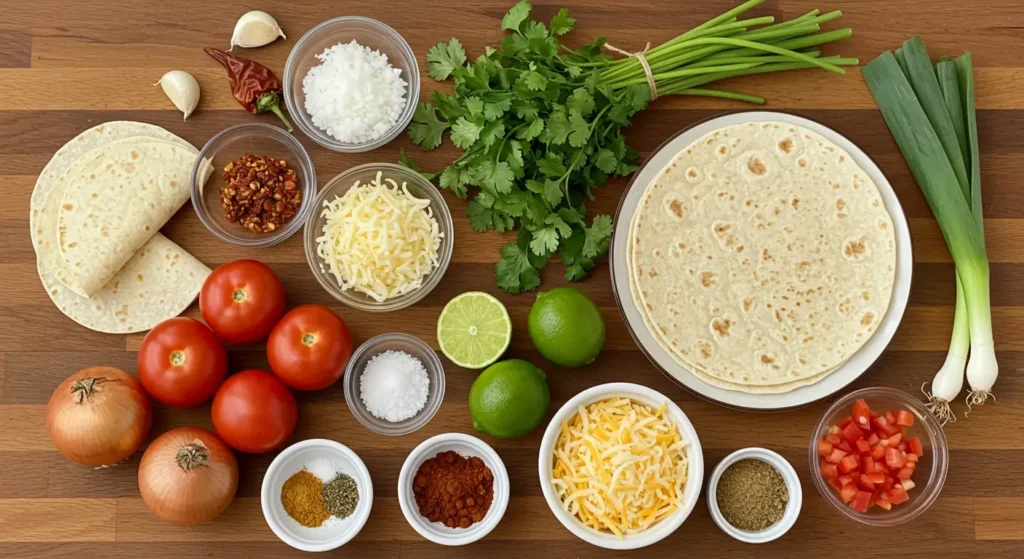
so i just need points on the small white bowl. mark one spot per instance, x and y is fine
(694, 454)
(467, 446)
(335, 533)
(789, 517)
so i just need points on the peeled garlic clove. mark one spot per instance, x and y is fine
(255, 29)
(182, 89)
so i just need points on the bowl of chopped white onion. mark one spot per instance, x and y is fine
(379, 238)
(351, 84)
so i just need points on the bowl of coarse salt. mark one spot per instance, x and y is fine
(351, 84)
(394, 384)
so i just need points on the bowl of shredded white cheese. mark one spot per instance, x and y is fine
(379, 237)
(351, 84)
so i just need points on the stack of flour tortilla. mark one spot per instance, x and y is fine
(762, 257)
(97, 209)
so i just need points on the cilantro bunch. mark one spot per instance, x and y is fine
(540, 124)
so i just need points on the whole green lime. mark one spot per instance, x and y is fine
(566, 327)
(509, 399)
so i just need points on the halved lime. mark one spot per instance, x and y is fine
(474, 330)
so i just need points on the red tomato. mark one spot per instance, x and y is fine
(834, 439)
(862, 413)
(836, 456)
(868, 464)
(884, 427)
(895, 439)
(873, 439)
(865, 482)
(893, 458)
(849, 463)
(885, 504)
(915, 446)
(861, 501)
(242, 301)
(904, 418)
(878, 452)
(906, 472)
(829, 470)
(890, 417)
(848, 492)
(863, 447)
(845, 446)
(845, 479)
(181, 362)
(254, 412)
(824, 448)
(852, 433)
(309, 348)
(898, 495)
(835, 483)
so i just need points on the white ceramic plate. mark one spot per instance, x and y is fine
(694, 455)
(802, 396)
(334, 533)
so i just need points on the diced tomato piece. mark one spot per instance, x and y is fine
(906, 472)
(845, 422)
(861, 501)
(887, 427)
(912, 458)
(852, 433)
(902, 447)
(895, 439)
(845, 446)
(862, 413)
(876, 477)
(834, 438)
(836, 456)
(908, 484)
(884, 503)
(829, 471)
(873, 439)
(865, 482)
(887, 483)
(890, 417)
(868, 464)
(914, 446)
(904, 418)
(878, 452)
(893, 458)
(834, 430)
(824, 448)
(847, 492)
(862, 447)
(835, 483)
(849, 463)
(880, 467)
(898, 495)
(846, 479)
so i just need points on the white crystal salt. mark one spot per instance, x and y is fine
(394, 386)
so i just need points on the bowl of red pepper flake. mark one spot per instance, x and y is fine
(453, 489)
(261, 189)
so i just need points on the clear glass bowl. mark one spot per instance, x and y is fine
(368, 33)
(397, 342)
(229, 145)
(929, 476)
(418, 187)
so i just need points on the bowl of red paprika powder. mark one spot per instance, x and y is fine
(453, 489)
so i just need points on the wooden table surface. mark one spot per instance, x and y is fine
(68, 65)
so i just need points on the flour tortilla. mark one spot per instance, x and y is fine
(722, 306)
(117, 197)
(171, 277)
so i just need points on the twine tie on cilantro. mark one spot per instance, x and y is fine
(639, 55)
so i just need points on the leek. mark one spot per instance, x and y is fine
(937, 135)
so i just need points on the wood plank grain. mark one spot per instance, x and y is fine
(35, 520)
(999, 518)
(15, 48)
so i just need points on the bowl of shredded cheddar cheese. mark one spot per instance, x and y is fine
(380, 237)
(621, 466)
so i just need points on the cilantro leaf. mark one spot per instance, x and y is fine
(492, 132)
(562, 23)
(534, 80)
(516, 16)
(455, 179)
(525, 109)
(581, 101)
(475, 106)
(515, 271)
(577, 266)
(558, 127)
(495, 109)
(545, 241)
(535, 30)
(482, 218)
(515, 155)
(466, 132)
(552, 192)
(513, 203)
(447, 105)
(597, 236)
(426, 129)
(580, 130)
(552, 166)
(496, 177)
(606, 160)
(514, 44)
(406, 161)
(443, 58)
(532, 131)
(562, 227)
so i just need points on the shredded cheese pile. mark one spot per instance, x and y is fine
(378, 239)
(620, 466)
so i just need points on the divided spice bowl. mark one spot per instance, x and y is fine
(790, 478)
(419, 187)
(929, 476)
(228, 146)
(368, 33)
(290, 461)
(467, 446)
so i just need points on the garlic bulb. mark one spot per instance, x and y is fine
(255, 29)
(182, 89)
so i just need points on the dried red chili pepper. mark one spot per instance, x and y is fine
(254, 85)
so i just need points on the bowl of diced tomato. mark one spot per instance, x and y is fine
(879, 456)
